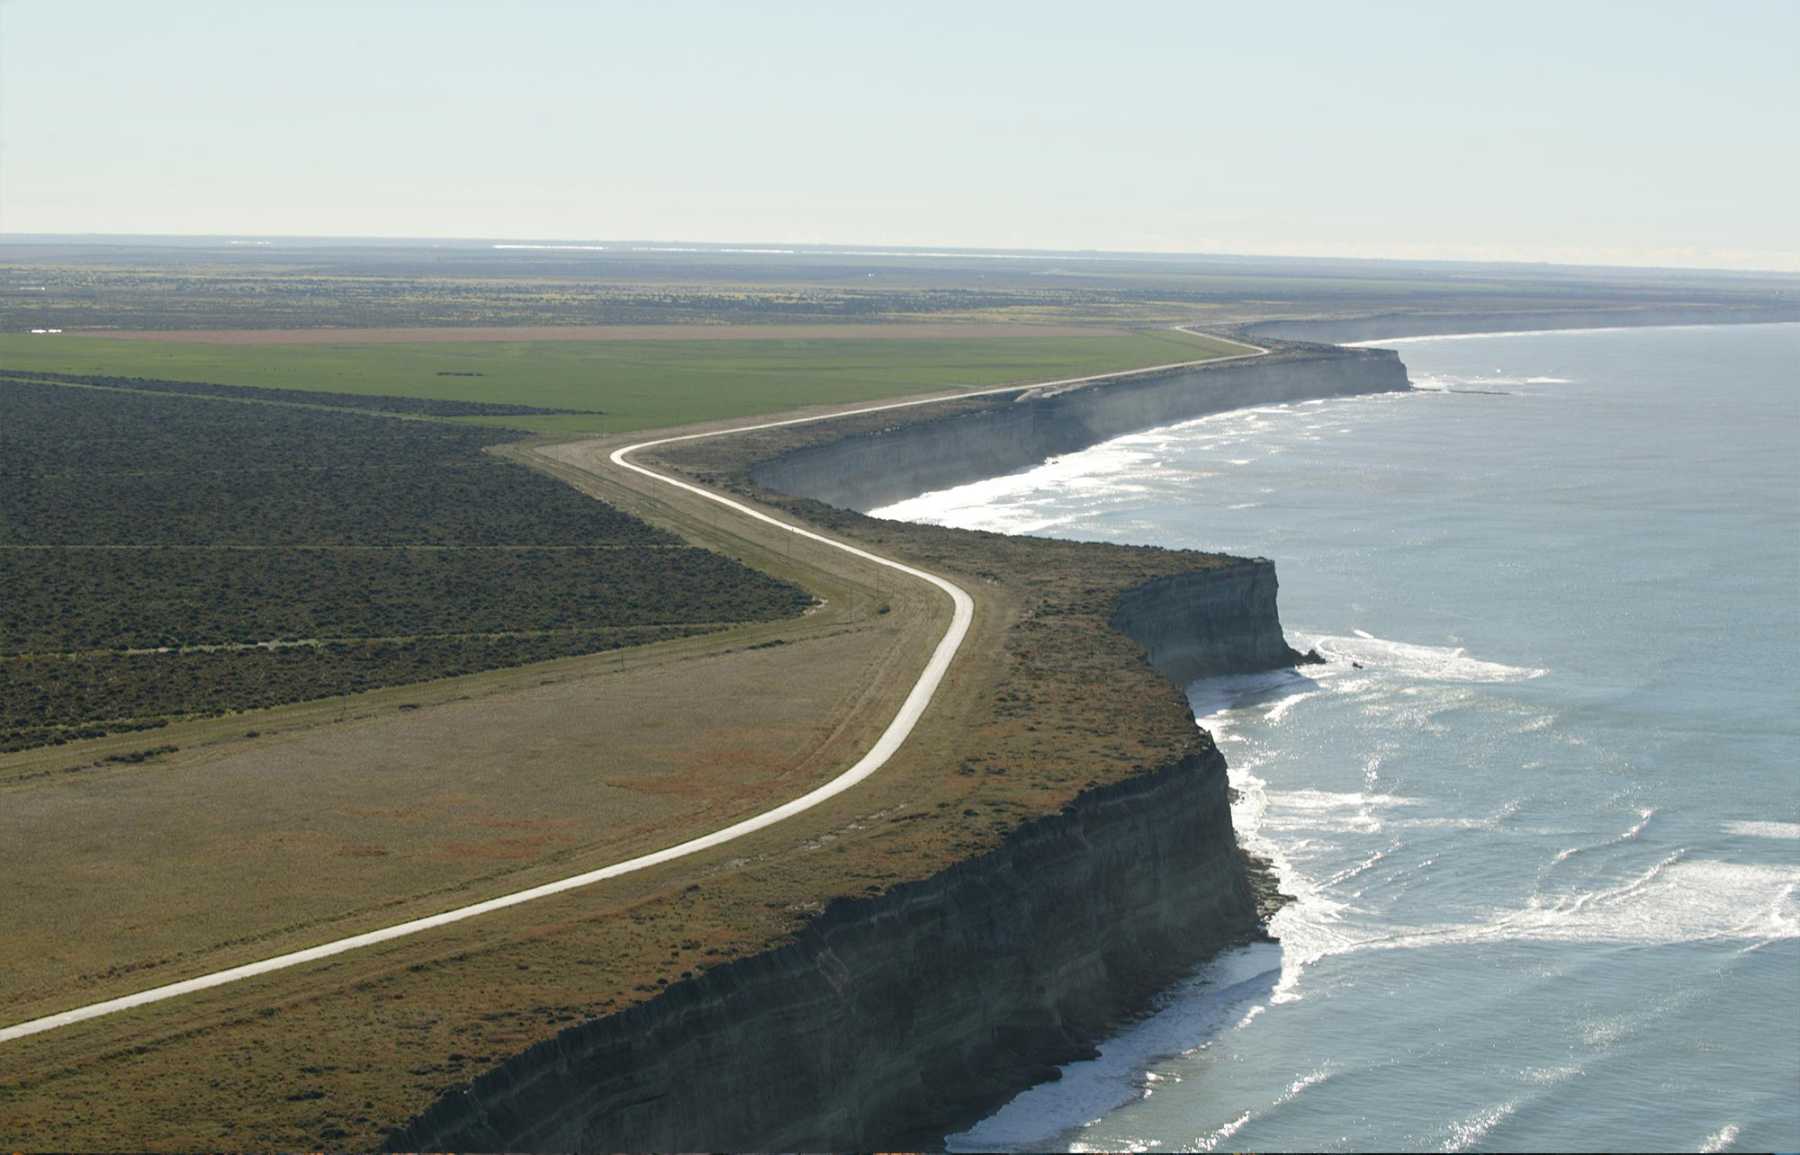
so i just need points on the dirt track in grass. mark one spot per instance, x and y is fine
(273, 843)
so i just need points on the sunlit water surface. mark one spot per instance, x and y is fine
(1544, 843)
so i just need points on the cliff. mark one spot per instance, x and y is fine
(888, 1021)
(1200, 625)
(894, 1019)
(916, 456)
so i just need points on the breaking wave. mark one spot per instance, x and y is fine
(1385, 341)
(1764, 829)
(1431, 663)
(1675, 900)
(1474, 1129)
(1628, 835)
(1528, 886)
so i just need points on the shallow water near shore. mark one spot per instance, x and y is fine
(1540, 811)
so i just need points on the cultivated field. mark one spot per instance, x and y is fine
(632, 384)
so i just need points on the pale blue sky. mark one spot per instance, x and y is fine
(1642, 133)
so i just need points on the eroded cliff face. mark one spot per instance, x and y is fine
(867, 471)
(892, 1020)
(1211, 622)
(889, 1021)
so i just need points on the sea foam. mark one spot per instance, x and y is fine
(1430, 663)
(1191, 1015)
(1764, 829)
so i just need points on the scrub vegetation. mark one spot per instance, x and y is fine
(50, 700)
(166, 556)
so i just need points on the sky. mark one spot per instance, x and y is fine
(1575, 132)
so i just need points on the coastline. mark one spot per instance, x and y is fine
(1219, 618)
(1657, 876)
(495, 1094)
(1280, 880)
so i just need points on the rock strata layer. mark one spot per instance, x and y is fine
(894, 1019)
(872, 470)
(1207, 623)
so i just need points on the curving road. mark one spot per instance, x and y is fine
(877, 756)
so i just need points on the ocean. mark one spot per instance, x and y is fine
(1540, 811)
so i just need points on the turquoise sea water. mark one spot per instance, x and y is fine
(1545, 841)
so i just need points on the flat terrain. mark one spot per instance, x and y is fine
(634, 384)
(237, 850)
(208, 284)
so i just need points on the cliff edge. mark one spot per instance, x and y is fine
(894, 1019)
(1203, 624)
(906, 455)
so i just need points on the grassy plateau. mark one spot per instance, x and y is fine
(635, 384)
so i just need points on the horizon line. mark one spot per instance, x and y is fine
(876, 248)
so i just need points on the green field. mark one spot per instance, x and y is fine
(637, 384)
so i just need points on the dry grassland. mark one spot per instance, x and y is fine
(207, 858)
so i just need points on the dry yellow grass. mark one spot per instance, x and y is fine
(242, 850)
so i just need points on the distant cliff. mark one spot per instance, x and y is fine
(911, 457)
